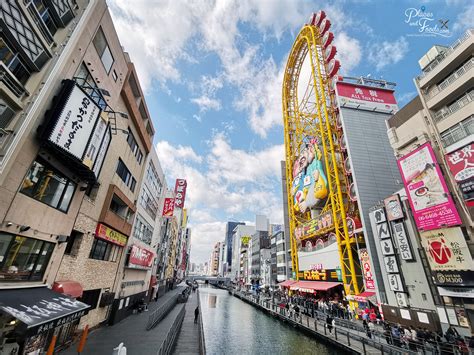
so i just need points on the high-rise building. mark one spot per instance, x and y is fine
(240, 239)
(229, 232)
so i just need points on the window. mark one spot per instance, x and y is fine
(6, 114)
(102, 250)
(142, 230)
(90, 297)
(46, 184)
(132, 143)
(102, 47)
(153, 180)
(114, 75)
(84, 79)
(457, 132)
(73, 243)
(13, 62)
(148, 202)
(23, 258)
(126, 176)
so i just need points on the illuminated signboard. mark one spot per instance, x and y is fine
(168, 207)
(140, 258)
(363, 97)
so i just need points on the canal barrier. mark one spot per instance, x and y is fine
(202, 340)
(345, 339)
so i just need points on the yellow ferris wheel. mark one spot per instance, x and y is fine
(318, 203)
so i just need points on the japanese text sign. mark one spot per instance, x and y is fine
(393, 207)
(363, 97)
(366, 269)
(110, 235)
(404, 248)
(168, 207)
(461, 165)
(140, 258)
(180, 192)
(430, 201)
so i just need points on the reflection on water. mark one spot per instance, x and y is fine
(232, 326)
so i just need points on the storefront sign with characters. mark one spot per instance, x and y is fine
(393, 207)
(168, 207)
(447, 249)
(110, 235)
(140, 258)
(309, 187)
(321, 222)
(244, 240)
(461, 165)
(180, 192)
(366, 269)
(429, 197)
(454, 278)
(321, 275)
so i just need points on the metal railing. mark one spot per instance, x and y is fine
(9, 79)
(445, 54)
(457, 132)
(161, 312)
(202, 340)
(386, 343)
(450, 79)
(170, 338)
(449, 110)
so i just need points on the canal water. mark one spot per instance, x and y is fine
(232, 326)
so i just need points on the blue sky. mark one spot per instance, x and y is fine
(212, 73)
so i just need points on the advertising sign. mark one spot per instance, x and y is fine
(323, 254)
(383, 230)
(387, 247)
(454, 278)
(104, 146)
(316, 224)
(110, 235)
(390, 263)
(447, 249)
(96, 140)
(393, 207)
(404, 248)
(366, 269)
(180, 192)
(322, 275)
(75, 123)
(168, 207)
(140, 258)
(461, 165)
(395, 282)
(362, 97)
(430, 201)
(244, 240)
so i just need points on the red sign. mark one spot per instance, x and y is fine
(364, 97)
(180, 191)
(461, 164)
(168, 207)
(140, 258)
(367, 269)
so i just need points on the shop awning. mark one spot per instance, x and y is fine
(287, 283)
(40, 309)
(68, 288)
(366, 296)
(312, 286)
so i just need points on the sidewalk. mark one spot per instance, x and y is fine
(132, 332)
(187, 342)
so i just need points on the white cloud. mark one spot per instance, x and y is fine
(387, 53)
(197, 118)
(349, 51)
(403, 99)
(206, 103)
(465, 19)
(169, 153)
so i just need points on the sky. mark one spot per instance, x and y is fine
(212, 74)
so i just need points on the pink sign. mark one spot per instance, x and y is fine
(364, 97)
(461, 164)
(430, 201)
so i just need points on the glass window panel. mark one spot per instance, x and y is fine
(100, 42)
(43, 260)
(68, 194)
(107, 59)
(5, 240)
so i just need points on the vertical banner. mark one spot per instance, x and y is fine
(366, 269)
(168, 207)
(461, 165)
(180, 192)
(426, 189)
(393, 207)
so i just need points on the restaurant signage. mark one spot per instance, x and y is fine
(180, 192)
(461, 165)
(404, 248)
(322, 275)
(168, 207)
(393, 207)
(366, 269)
(110, 235)
(140, 258)
(453, 278)
(365, 98)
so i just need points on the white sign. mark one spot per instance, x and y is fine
(102, 151)
(423, 317)
(402, 299)
(405, 313)
(95, 142)
(402, 241)
(395, 282)
(442, 314)
(387, 247)
(391, 265)
(379, 216)
(447, 249)
(383, 230)
(75, 123)
(452, 316)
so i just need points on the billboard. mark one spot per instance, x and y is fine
(461, 165)
(363, 97)
(168, 207)
(140, 258)
(366, 269)
(446, 249)
(429, 198)
(110, 235)
(180, 192)
(393, 207)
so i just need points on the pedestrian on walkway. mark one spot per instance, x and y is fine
(329, 323)
(196, 315)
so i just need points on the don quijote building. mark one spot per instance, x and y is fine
(432, 137)
(74, 134)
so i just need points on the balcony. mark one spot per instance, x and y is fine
(458, 132)
(446, 111)
(450, 79)
(10, 77)
(440, 59)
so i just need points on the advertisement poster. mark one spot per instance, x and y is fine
(110, 235)
(318, 255)
(362, 97)
(461, 165)
(140, 258)
(180, 192)
(366, 269)
(168, 207)
(430, 201)
(447, 249)
(393, 207)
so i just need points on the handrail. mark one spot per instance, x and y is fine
(447, 348)
(450, 79)
(167, 344)
(202, 340)
(161, 312)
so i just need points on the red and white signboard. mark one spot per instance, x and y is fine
(366, 269)
(365, 98)
(140, 258)
(447, 249)
(168, 207)
(180, 191)
(461, 165)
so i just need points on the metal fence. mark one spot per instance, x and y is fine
(170, 338)
(202, 340)
(161, 312)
